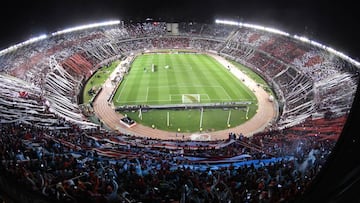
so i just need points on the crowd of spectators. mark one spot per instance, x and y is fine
(306, 79)
(75, 165)
(210, 31)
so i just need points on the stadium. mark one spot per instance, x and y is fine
(158, 111)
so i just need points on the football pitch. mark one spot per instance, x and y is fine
(184, 78)
(177, 79)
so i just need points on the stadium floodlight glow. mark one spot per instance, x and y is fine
(227, 22)
(315, 43)
(301, 38)
(276, 31)
(258, 27)
(41, 37)
(82, 27)
(35, 39)
(29, 41)
(329, 49)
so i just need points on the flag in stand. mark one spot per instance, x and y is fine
(23, 94)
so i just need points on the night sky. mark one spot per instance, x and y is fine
(322, 21)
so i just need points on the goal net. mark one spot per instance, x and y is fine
(190, 98)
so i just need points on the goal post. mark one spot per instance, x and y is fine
(190, 98)
(201, 117)
(152, 67)
(168, 119)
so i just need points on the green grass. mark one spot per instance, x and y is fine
(253, 75)
(188, 74)
(97, 80)
(189, 120)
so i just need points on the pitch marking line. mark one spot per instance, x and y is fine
(226, 92)
(147, 93)
(203, 97)
(185, 91)
(178, 100)
(124, 86)
(167, 86)
(145, 101)
(208, 98)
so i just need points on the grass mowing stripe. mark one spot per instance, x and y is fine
(253, 75)
(135, 92)
(164, 77)
(245, 93)
(122, 95)
(186, 77)
(171, 78)
(204, 79)
(153, 82)
(219, 74)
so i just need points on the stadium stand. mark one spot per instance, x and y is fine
(55, 153)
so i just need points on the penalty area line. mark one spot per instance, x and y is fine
(147, 93)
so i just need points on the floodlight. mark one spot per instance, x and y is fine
(301, 38)
(16, 46)
(82, 27)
